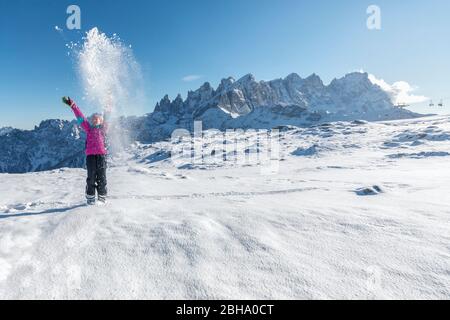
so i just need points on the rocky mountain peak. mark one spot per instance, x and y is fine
(293, 77)
(53, 124)
(247, 78)
(313, 80)
(205, 87)
(178, 99)
(225, 84)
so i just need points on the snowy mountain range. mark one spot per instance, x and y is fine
(52, 144)
(247, 103)
(244, 103)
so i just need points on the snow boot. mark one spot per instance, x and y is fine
(90, 200)
(102, 199)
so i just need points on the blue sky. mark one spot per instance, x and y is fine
(173, 40)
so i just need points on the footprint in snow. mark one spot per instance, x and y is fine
(17, 207)
(305, 152)
(368, 191)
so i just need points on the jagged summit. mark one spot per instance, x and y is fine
(352, 96)
(283, 90)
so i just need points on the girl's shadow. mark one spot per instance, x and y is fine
(56, 210)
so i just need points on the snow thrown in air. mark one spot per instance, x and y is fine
(111, 79)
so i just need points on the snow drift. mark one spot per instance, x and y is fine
(349, 222)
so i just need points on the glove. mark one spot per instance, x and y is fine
(67, 101)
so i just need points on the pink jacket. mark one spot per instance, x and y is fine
(95, 136)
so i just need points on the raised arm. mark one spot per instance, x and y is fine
(81, 119)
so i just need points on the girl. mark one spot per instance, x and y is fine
(95, 152)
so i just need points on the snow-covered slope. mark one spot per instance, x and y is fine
(353, 210)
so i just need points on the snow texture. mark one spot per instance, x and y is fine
(177, 229)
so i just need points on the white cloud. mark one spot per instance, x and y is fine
(191, 77)
(400, 91)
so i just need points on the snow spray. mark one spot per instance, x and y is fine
(111, 80)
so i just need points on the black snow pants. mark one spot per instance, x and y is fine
(96, 168)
